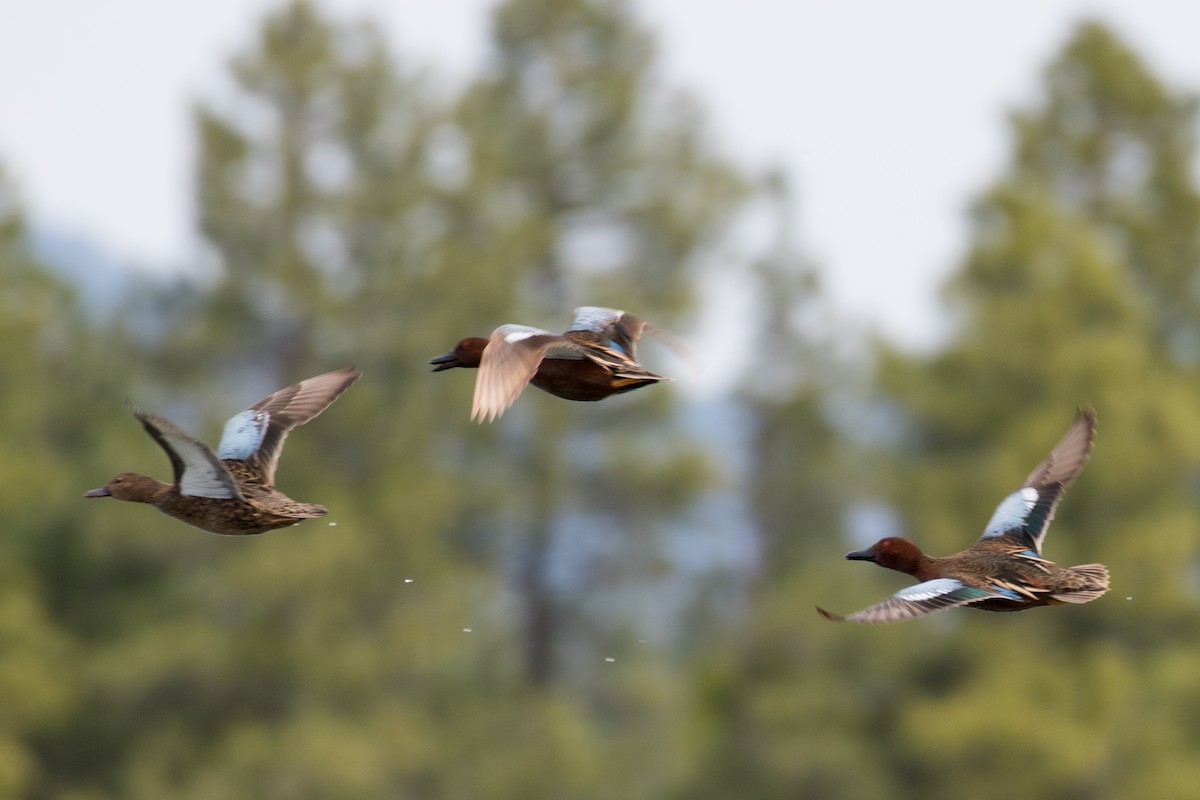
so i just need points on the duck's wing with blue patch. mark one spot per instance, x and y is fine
(198, 471)
(1026, 513)
(509, 361)
(612, 327)
(916, 601)
(257, 434)
(620, 331)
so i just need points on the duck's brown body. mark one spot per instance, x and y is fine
(583, 380)
(262, 508)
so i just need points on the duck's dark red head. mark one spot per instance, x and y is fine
(466, 353)
(893, 552)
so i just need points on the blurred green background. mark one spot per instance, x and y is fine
(606, 600)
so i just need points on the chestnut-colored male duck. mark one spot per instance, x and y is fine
(595, 358)
(1004, 570)
(232, 491)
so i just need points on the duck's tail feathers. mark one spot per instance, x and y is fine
(640, 375)
(1094, 580)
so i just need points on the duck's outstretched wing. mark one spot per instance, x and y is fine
(198, 471)
(612, 327)
(257, 434)
(620, 331)
(1026, 513)
(509, 361)
(915, 601)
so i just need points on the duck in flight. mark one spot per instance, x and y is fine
(232, 491)
(1004, 570)
(595, 358)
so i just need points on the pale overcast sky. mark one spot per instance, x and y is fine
(888, 117)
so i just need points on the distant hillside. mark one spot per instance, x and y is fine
(100, 279)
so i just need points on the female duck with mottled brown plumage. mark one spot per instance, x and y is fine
(233, 491)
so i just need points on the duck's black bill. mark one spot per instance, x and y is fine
(861, 555)
(447, 361)
(101, 492)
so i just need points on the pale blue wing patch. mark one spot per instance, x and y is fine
(594, 318)
(203, 474)
(600, 321)
(1012, 512)
(243, 434)
(207, 480)
(917, 601)
(929, 590)
(197, 469)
